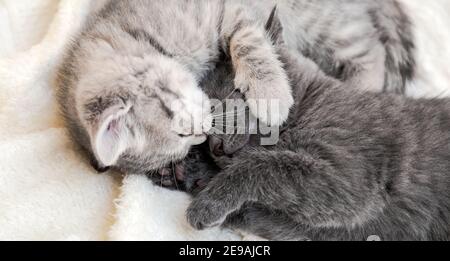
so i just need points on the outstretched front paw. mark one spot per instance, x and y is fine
(205, 213)
(212, 205)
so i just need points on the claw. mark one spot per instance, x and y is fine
(180, 172)
(164, 172)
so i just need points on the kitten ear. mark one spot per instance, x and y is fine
(111, 137)
(274, 27)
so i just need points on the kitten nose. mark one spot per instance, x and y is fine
(98, 167)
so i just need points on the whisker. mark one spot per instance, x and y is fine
(175, 175)
(232, 92)
(230, 112)
(229, 116)
(214, 130)
(218, 126)
(229, 122)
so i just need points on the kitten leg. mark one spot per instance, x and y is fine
(253, 175)
(265, 222)
(313, 189)
(259, 75)
(276, 225)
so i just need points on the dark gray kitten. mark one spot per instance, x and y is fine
(348, 165)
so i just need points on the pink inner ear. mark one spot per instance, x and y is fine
(111, 141)
(112, 137)
(113, 126)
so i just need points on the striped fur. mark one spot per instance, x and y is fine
(134, 58)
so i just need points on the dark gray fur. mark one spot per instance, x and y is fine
(349, 165)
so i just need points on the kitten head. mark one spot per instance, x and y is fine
(231, 117)
(138, 113)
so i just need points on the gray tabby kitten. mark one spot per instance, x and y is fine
(135, 59)
(349, 165)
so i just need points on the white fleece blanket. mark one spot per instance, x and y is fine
(48, 193)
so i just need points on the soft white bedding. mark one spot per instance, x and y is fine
(48, 193)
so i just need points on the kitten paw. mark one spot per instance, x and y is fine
(269, 98)
(203, 214)
(191, 176)
(171, 177)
